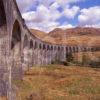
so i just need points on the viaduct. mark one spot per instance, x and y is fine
(20, 49)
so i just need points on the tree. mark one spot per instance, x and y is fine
(69, 57)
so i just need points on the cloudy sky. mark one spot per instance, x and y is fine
(46, 15)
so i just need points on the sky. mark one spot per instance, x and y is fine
(47, 15)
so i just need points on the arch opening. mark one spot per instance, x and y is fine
(51, 47)
(35, 45)
(44, 47)
(25, 44)
(31, 44)
(16, 35)
(30, 57)
(40, 46)
(48, 47)
(55, 48)
(16, 49)
(58, 48)
(62, 48)
(2, 14)
(26, 48)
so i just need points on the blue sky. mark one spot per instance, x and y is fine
(46, 15)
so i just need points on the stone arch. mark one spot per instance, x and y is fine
(52, 53)
(58, 48)
(62, 48)
(55, 53)
(55, 48)
(35, 52)
(35, 45)
(74, 50)
(40, 53)
(48, 47)
(26, 52)
(70, 49)
(48, 54)
(31, 44)
(40, 46)
(25, 42)
(3, 21)
(58, 53)
(44, 46)
(31, 53)
(67, 49)
(16, 44)
(85, 49)
(51, 47)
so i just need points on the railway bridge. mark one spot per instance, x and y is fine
(21, 49)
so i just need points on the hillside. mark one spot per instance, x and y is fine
(71, 36)
(78, 31)
(38, 33)
(58, 82)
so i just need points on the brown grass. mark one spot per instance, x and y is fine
(3, 98)
(57, 82)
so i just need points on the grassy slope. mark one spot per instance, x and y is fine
(56, 82)
(3, 98)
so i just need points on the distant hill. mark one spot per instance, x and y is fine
(72, 36)
(78, 31)
(38, 33)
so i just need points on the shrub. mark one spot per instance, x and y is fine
(69, 57)
(85, 60)
(94, 64)
(60, 62)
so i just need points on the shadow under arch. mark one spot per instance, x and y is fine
(3, 21)
(16, 51)
(25, 42)
(16, 35)
(25, 53)
(31, 44)
(31, 53)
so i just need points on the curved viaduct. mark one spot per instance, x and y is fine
(22, 45)
(20, 49)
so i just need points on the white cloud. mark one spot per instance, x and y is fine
(44, 26)
(66, 26)
(64, 2)
(46, 14)
(46, 2)
(90, 16)
(49, 26)
(42, 14)
(71, 12)
(43, 18)
(24, 5)
(93, 25)
(29, 16)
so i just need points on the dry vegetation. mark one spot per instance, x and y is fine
(58, 82)
(3, 98)
(38, 33)
(73, 36)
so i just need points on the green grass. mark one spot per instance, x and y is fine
(57, 82)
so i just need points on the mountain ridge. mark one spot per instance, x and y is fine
(72, 36)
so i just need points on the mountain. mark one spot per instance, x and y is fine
(78, 31)
(38, 33)
(72, 36)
